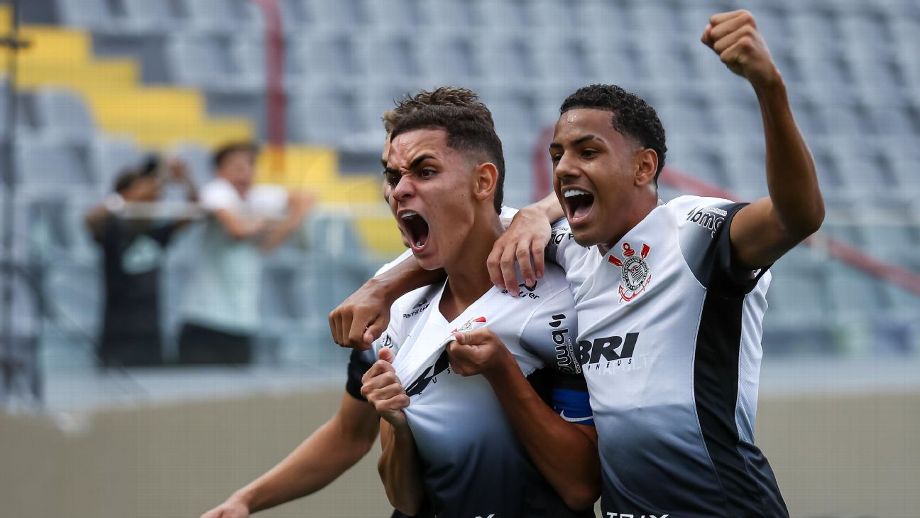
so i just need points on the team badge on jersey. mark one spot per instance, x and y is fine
(635, 272)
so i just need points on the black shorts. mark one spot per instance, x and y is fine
(199, 345)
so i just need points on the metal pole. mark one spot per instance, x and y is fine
(7, 350)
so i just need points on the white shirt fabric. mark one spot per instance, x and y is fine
(223, 293)
(669, 343)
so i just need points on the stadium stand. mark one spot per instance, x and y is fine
(116, 77)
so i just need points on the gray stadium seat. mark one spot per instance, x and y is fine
(325, 114)
(94, 14)
(109, 156)
(63, 113)
(448, 59)
(47, 165)
(200, 59)
(223, 16)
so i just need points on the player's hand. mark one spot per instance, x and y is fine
(361, 318)
(735, 38)
(178, 170)
(383, 390)
(479, 351)
(521, 244)
(228, 509)
(300, 202)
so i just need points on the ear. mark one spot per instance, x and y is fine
(485, 179)
(646, 162)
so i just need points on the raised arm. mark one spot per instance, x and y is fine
(299, 205)
(321, 458)
(399, 464)
(564, 452)
(365, 314)
(523, 243)
(769, 227)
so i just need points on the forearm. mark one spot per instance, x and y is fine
(565, 453)
(549, 207)
(403, 278)
(791, 178)
(277, 234)
(317, 461)
(399, 469)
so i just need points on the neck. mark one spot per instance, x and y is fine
(644, 206)
(467, 276)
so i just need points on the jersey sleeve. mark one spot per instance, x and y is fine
(550, 335)
(358, 363)
(217, 195)
(705, 242)
(562, 248)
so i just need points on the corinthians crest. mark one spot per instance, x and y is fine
(635, 272)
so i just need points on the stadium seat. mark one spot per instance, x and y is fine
(110, 156)
(47, 165)
(64, 113)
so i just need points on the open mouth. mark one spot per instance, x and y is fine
(578, 203)
(416, 229)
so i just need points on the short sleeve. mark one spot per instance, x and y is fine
(402, 257)
(267, 200)
(358, 363)
(562, 248)
(550, 331)
(217, 195)
(705, 242)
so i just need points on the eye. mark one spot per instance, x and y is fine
(426, 172)
(588, 153)
(392, 177)
(555, 157)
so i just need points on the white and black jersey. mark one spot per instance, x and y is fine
(669, 343)
(472, 463)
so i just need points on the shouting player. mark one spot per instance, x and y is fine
(466, 423)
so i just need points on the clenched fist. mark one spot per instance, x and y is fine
(735, 38)
(478, 352)
(382, 389)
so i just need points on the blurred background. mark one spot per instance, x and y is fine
(92, 90)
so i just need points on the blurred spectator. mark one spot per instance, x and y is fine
(221, 310)
(132, 256)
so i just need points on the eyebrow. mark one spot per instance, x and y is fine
(415, 163)
(576, 142)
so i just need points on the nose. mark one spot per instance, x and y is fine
(403, 189)
(565, 167)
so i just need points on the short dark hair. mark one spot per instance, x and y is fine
(467, 131)
(632, 116)
(125, 179)
(221, 153)
(440, 96)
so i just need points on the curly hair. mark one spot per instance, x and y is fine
(467, 131)
(632, 116)
(441, 96)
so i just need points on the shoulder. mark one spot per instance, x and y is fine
(412, 304)
(388, 266)
(695, 209)
(218, 194)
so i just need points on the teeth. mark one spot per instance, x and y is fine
(408, 214)
(574, 192)
(418, 244)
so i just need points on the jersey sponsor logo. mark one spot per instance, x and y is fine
(633, 515)
(422, 305)
(710, 218)
(558, 235)
(575, 419)
(635, 272)
(428, 376)
(442, 363)
(610, 348)
(525, 291)
(565, 351)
